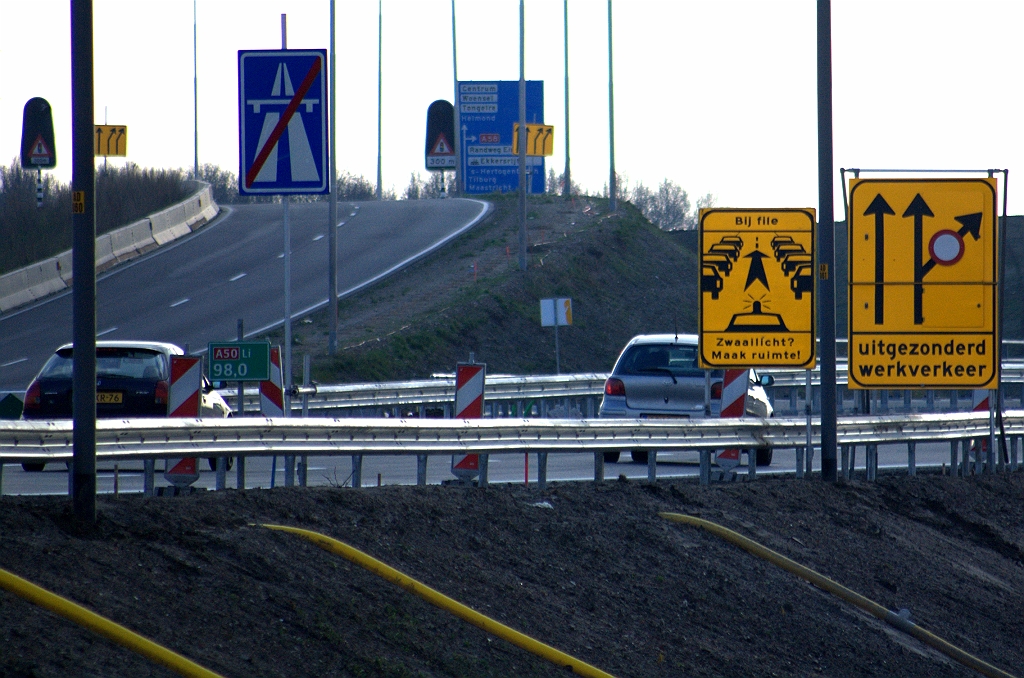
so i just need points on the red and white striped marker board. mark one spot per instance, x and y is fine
(469, 404)
(734, 403)
(184, 399)
(271, 393)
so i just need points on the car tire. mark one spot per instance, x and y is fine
(611, 457)
(764, 456)
(33, 467)
(639, 456)
(213, 463)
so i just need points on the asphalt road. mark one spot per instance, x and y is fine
(392, 470)
(194, 290)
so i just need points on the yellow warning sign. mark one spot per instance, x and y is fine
(923, 285)
(757, 288)
(111, 140)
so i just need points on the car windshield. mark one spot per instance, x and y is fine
(134, 363)
(677, 359)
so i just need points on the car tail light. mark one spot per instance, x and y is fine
(160, 394)
(614, 387)
(716, 390)
(33, 397)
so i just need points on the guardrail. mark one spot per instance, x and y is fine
(43, 278)
(581, 393)
(149, 439)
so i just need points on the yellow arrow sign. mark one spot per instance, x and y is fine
(923, 284)
(757, 288)
(540, 139)
(111, 140)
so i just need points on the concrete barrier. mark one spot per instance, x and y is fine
(64, 266)
(55, 274)
(14, 289)
(132, 240)
(169, 224)
(44, 279)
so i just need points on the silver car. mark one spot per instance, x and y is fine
(657, 377)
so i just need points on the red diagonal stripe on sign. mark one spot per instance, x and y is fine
(293, 106)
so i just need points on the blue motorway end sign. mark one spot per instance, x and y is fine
(487, 113)
(282, 122)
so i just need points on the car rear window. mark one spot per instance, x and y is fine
(678, 359)
(134, 363)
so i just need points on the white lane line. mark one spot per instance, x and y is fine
(352, 214)
(237, 277)
(14, 362)
(281, 255)
(106, 331)
(319, 237)
(341, 223)
(180, 302)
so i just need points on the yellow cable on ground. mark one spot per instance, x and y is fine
(103, 626)
(846, 594)
(442, 601)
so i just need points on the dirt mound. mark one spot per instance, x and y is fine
(590, 569)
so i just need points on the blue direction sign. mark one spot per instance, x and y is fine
(282, 122)
(487, 112)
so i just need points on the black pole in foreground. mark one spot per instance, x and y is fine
(826, 246)
(83, 262)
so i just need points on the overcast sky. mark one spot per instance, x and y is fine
(718, 96)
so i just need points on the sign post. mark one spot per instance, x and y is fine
(757, 288)
(239, 361)
(469, 404)
(553, 313)
(923, 284)
(283, 144)
(488, 112)
(38, 148)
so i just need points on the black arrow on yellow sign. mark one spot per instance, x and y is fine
(879, 207)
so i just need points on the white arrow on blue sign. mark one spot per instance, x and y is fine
(282, 122)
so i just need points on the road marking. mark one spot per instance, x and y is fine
(107, 331)
(237, 277)
(180, 302)
(352, 214)
(14, 362)
(341, 223)
(319, 237)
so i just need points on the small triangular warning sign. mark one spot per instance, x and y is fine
(39, 149)
(442, 147)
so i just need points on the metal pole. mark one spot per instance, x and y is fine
(612, 189)
(522, 138)
(83, 294)
(567, 177)
(460, 181)
(332, 212)
(380, 86)
(195, 91)
(826, 246)
(287, 357)
(240, 412)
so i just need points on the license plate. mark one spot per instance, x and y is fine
(109, 397)
(666, 416)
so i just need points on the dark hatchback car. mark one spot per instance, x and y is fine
(132, 380)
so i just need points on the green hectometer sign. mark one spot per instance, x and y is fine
(240, 361)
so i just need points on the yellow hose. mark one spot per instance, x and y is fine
(442, 601)
(102, 626)
(846, 594)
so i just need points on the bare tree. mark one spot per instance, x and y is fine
(668, 207)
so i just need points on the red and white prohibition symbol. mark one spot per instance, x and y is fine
(734, 403)
(946, 247)
(469, 404)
